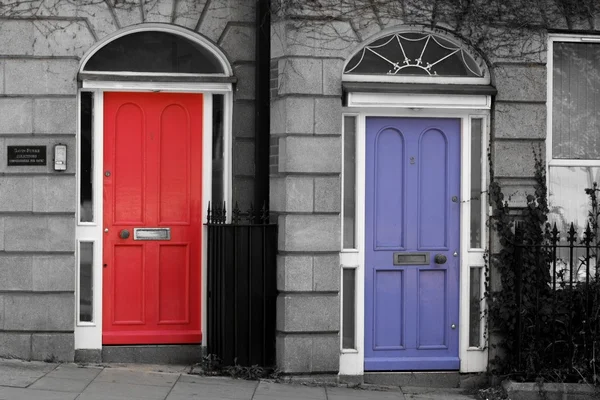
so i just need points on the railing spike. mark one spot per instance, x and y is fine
(251, 216)
(264, 216)
(235, 214)
(572, 234)
(588, 235)
(555, 233)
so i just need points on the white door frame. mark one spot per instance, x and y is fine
(88, 335)
(465, 108)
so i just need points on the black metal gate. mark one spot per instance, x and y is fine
(242, 287)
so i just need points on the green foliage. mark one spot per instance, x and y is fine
(549, 336)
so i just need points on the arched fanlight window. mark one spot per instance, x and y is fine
(154, 52)
(155, 49)
(414, 55)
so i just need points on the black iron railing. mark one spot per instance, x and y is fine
(242, 287)
(558, 314)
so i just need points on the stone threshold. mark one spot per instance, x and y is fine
(143, 354)
(550, 391)
(435, 380)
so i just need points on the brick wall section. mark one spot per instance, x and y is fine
(39, 58)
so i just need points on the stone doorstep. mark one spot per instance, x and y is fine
(143, 354)
(550, 391)
(394, 380)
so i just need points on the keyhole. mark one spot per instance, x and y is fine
(412, 160)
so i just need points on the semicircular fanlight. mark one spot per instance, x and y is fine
(414, 53)
(154, 52)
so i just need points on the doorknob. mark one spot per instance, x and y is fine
(124, 234)
(440, 259)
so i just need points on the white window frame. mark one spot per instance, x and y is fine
(550, 160)
(563, 162)
(472, 359)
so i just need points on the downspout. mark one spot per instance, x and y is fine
(262, 104)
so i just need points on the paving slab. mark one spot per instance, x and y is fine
(277, 391)
(60, 384)
(22, 373)
(214, 388)
(335, 393)
(10, 393)
(433, 393)
(114, 390)
(120, 375)
(73, 371)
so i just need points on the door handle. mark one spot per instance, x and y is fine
(124, 234)
(440, 259)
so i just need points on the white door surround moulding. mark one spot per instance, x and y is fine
(88, 335)
(419, 101)
(472, 359)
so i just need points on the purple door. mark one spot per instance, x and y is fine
(412, 244)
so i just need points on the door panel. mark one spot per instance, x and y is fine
(389, 215)
(411, 301)
(153, 179)
(388, 326)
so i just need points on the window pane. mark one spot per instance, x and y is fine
(86, 205)
(217, 150)
(575, 101)
(567, 198)
(349, 212)
(86, 287)
(154, 52)
(348, 313)
(475, 308)
(476, 172)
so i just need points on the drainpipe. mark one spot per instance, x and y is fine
(262, 103)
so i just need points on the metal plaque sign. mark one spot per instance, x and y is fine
(26, 155)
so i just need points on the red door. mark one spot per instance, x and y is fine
(152, 218)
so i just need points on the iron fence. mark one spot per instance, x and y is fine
(241, 286)
(557, 321)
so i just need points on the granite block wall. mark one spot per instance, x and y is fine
(309, 49)
(41, 44)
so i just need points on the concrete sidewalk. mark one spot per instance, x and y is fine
(21, 380)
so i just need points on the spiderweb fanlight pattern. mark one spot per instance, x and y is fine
(414, 53)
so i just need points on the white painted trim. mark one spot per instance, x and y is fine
(550, 161)
(206, 196)
(186, 87)
(415, 101)
(89, 335)
(472, 360)
(440, 80)
(158, 27)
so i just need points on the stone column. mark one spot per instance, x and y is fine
(306, 162)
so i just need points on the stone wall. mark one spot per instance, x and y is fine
(41, 44)
(308, 54)
(306, 110)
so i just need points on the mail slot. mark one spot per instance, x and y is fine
(411, 258)
(152, 234)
